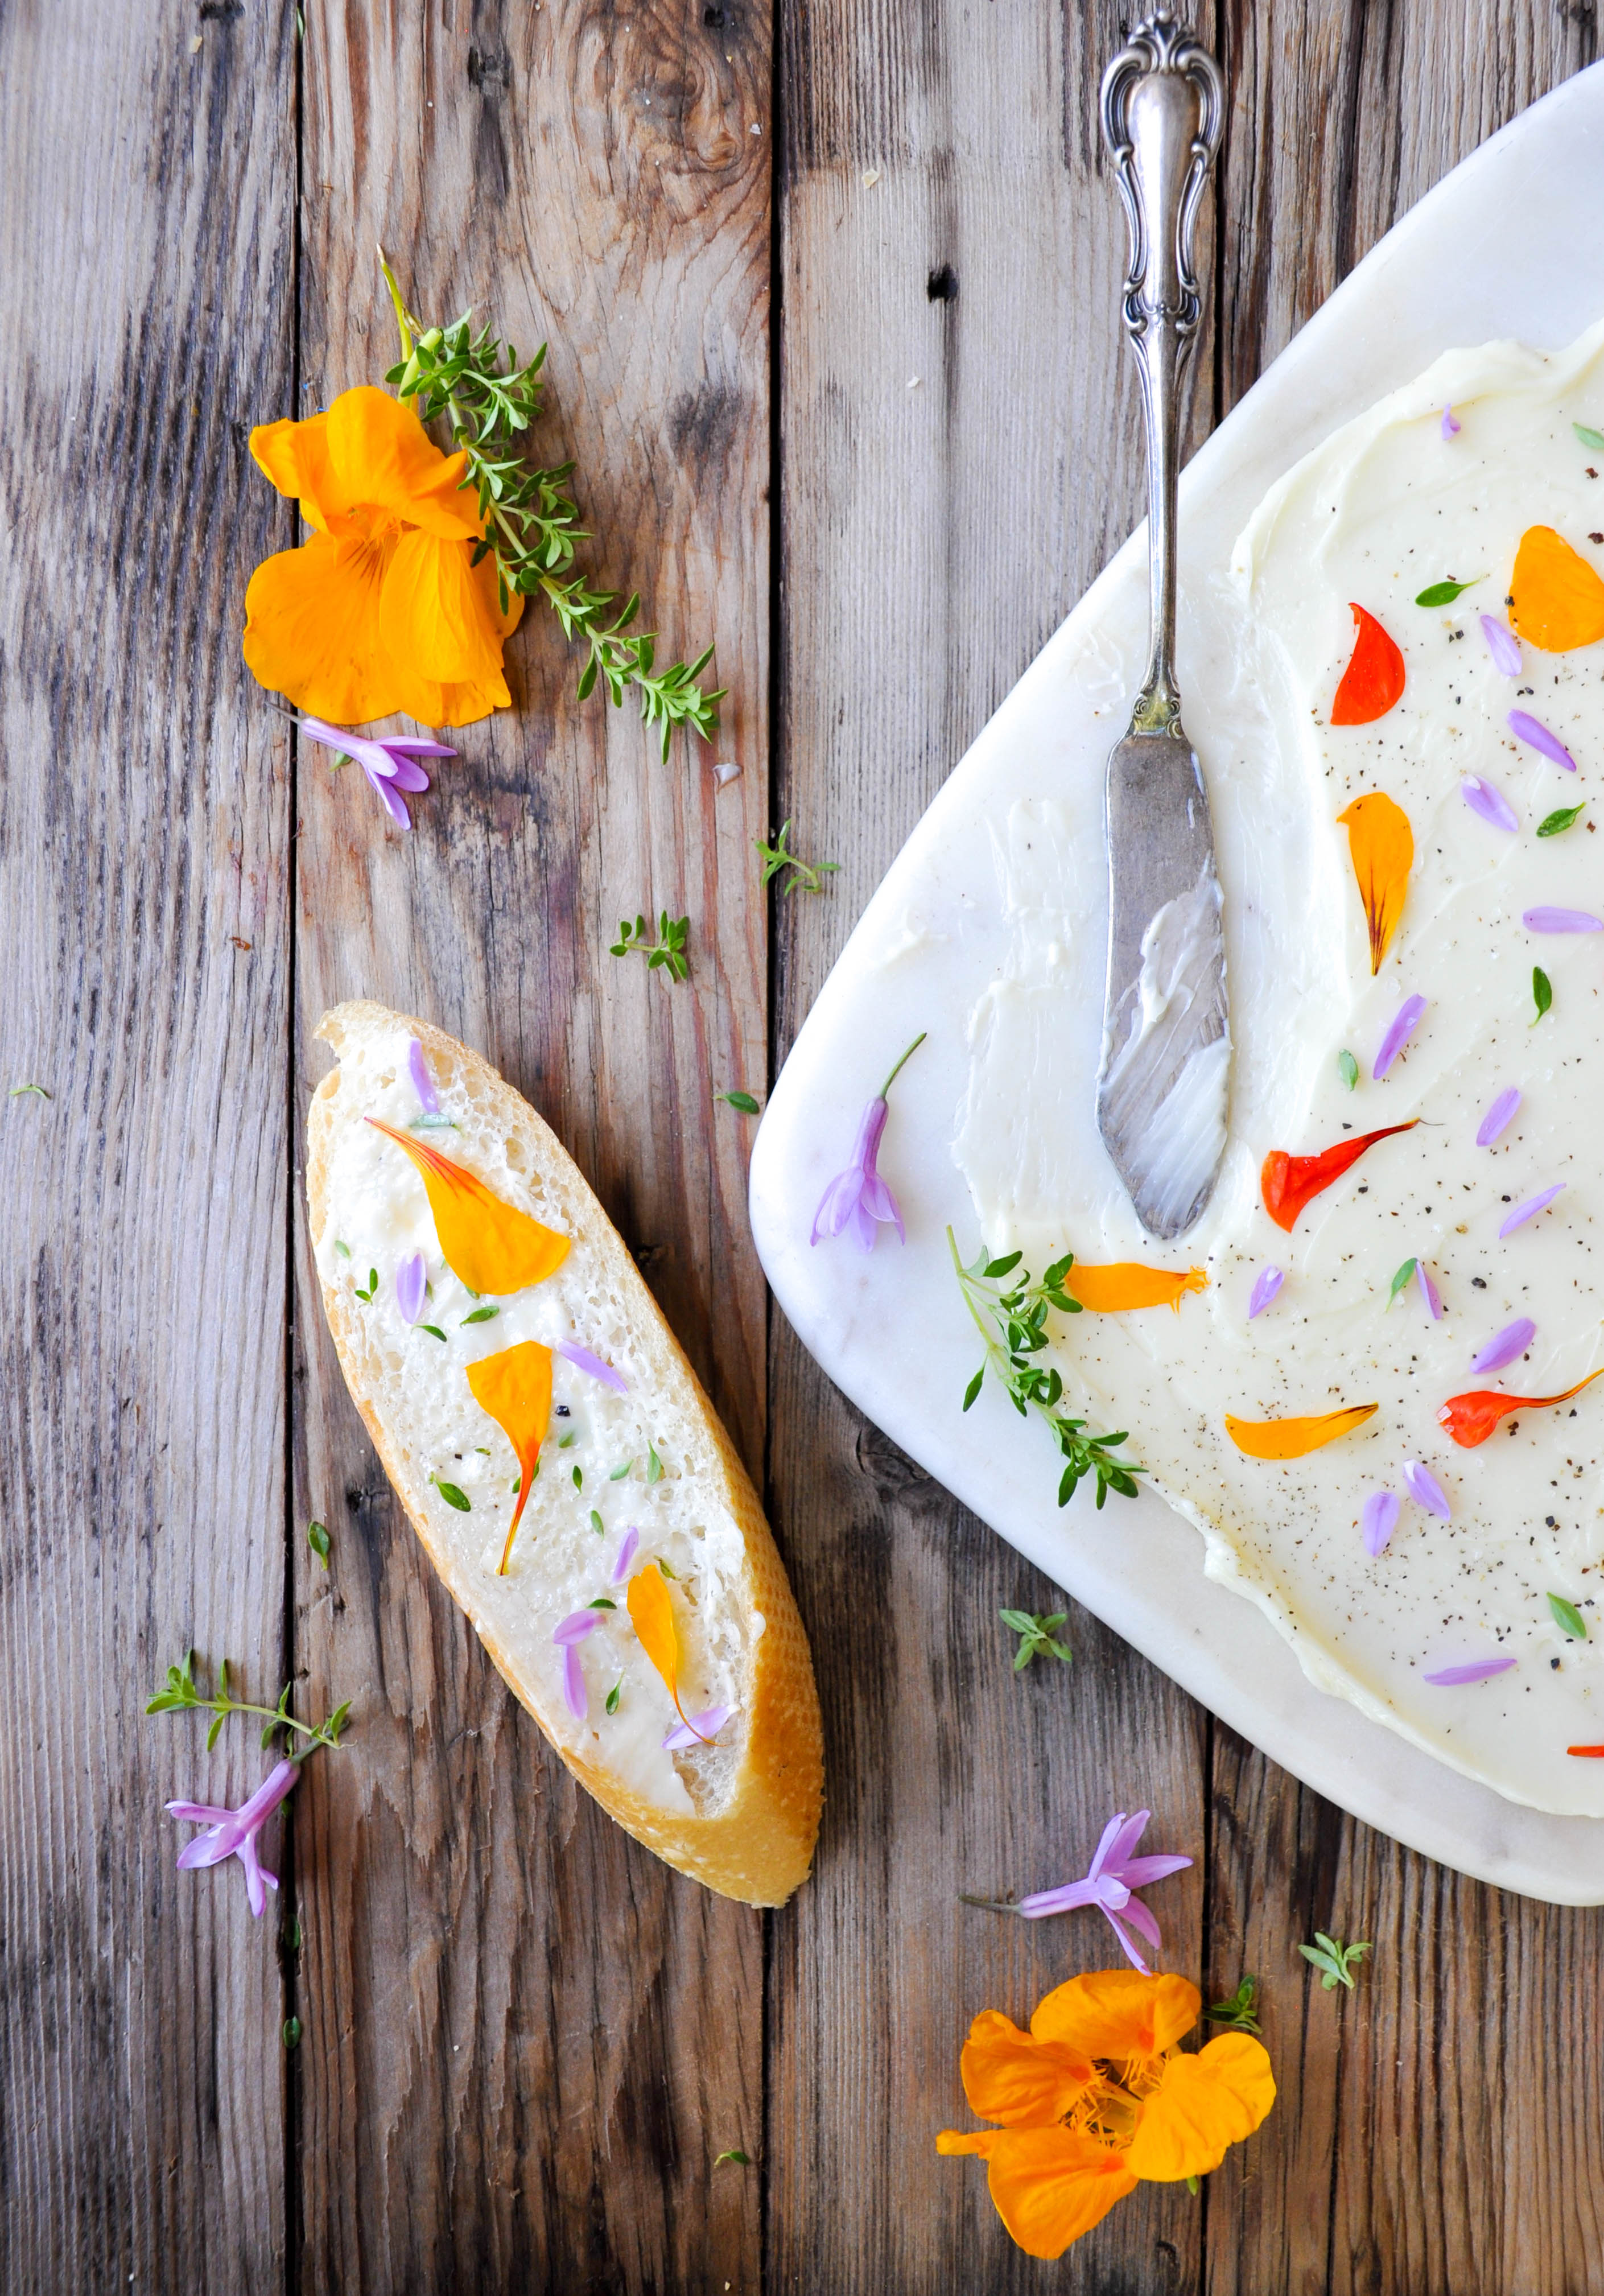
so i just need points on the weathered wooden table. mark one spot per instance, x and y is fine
(832, 308)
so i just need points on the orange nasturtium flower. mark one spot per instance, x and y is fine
(1096, 2097)
(382, 608)
(515, 1387)
(1295, 1439)
(1381, 847)
(651, 1615)
(1126, 1283)
(487, 1244)
(1556, 598)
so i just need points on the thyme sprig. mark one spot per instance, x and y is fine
(1012, 1321)
(668, 951)
(806, 876)
(489, 401)
(1038, 1636)
(183, 1692)
(1239, 2015)
(1334, 1960)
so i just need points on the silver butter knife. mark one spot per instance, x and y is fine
(1166, 1074)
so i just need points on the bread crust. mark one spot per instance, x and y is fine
(758, 1846)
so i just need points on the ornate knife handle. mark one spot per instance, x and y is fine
(1163, 108)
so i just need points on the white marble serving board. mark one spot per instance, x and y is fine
(1508, 245)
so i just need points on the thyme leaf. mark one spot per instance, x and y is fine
(1038, 1636)
(666, 953)
(1334, 1960)
(806, 876)
(1239, 2014)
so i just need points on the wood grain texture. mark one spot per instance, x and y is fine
(529, 2040)
(145, 228)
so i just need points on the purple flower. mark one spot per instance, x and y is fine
(423, 1082)
(1449, 426)
(1378, 1519)
(583, 1360)
(410, 1286)
(1426, 1490)
(1528, 728)
(1502, 645)
(1113, 1875)
(568, 1634)
(232, 1832)
(1491, 804)
(1479, 1669)
(1402, 1027)
(1429, 1290)
(698, 1730)
(1530, 1208)
(1561, 921)
(1266, 1284)
(390, 765)
(1513, 1341)
(626, 1553)
(859, 1194)
(1493, 1122)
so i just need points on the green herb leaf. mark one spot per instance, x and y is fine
(1347, 1067)
(578, 1476)
(481, 1316)
(618, 1473)
(1567, 1618)
(1443, 593)
(613, 1695)
(596, 1524)
(1400, 1280)
(742, 2160)
(344, 1249)
(806, 877)
(667, 952)
(434, 1330)
(667, 1570)
(18, 1090)
(292, 2032)
(973, 1389)
(744, 1101)
(1239, 2012)
(563, 1442)
(1587, 435)
(1334, 1960)
(1542, 992)
(1553, 823)
(1037, 1637)
(452, 1496)
(372, 1286)
(317, 1539)
(602, 1602)
(654, 1465)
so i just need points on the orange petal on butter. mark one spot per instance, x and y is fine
(1373, 680)
(1127, 1283)
(651, 1614)
(515, 1387)
(1294, 1438)
(1556, 599)
(1381, 847)
(487, 1244)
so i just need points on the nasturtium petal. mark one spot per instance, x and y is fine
(1048, 2185)
(1381, 847)
(1295, 1439)
(1117, 2013)
(1373, 680)
(380, 455)
(1556, 599)
(1287, 1184)
(1471, 1418)
(1126, 1283)
(488, 1243)
(515, 1387)
(1202, 2105)
(651, 1614)
(1012, 2077)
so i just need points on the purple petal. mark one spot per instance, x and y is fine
(582, 1360)
(209, 1849)
(1065, 1899)
(1110, 1835)
(408, 777)
(410, 1286)
(1141, 1872)
(1528, 728)
(698, 1730)
(255, 1877)
(1493, 1122)
(1402, 1027)
(1491, 804)
(871, 1128)
(1378, 1519)
(1426, 1490)
(1124, 1843)
(836, 1204)
(620, 1570)
(395, 804)
(574, 1692)
(575, 1627)
(203, 1813)
(1449, 426)
(1429, 1290)
(1513, 1341)
(1502, 645)
(1481, 1669)
(1140, 1918)
(1531, 1208)
(1130, 1954)
(1266, 1284)
(408, 745)
(1561, 921)
(865, 1228)
(879, 1204)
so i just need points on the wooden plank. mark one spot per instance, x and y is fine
(936, 531)
(142, 946)
(1434, 2130)
(527, 2041)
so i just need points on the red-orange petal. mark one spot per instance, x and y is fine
(488, 1243)
(515, 1387)
(1290, 1182)
(1373, 680)
(1471, 1418)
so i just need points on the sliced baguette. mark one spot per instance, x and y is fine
(741, 1815)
